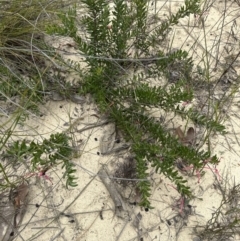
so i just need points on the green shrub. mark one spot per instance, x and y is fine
(117, 52)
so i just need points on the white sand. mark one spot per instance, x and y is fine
(84, 203)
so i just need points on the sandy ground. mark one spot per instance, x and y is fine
(87, 212)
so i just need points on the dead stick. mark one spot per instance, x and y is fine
(112, 189)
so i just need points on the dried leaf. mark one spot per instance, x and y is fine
(21, 195)
(179, 133)
(190, 135)
(12, 212)
(189, 138)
